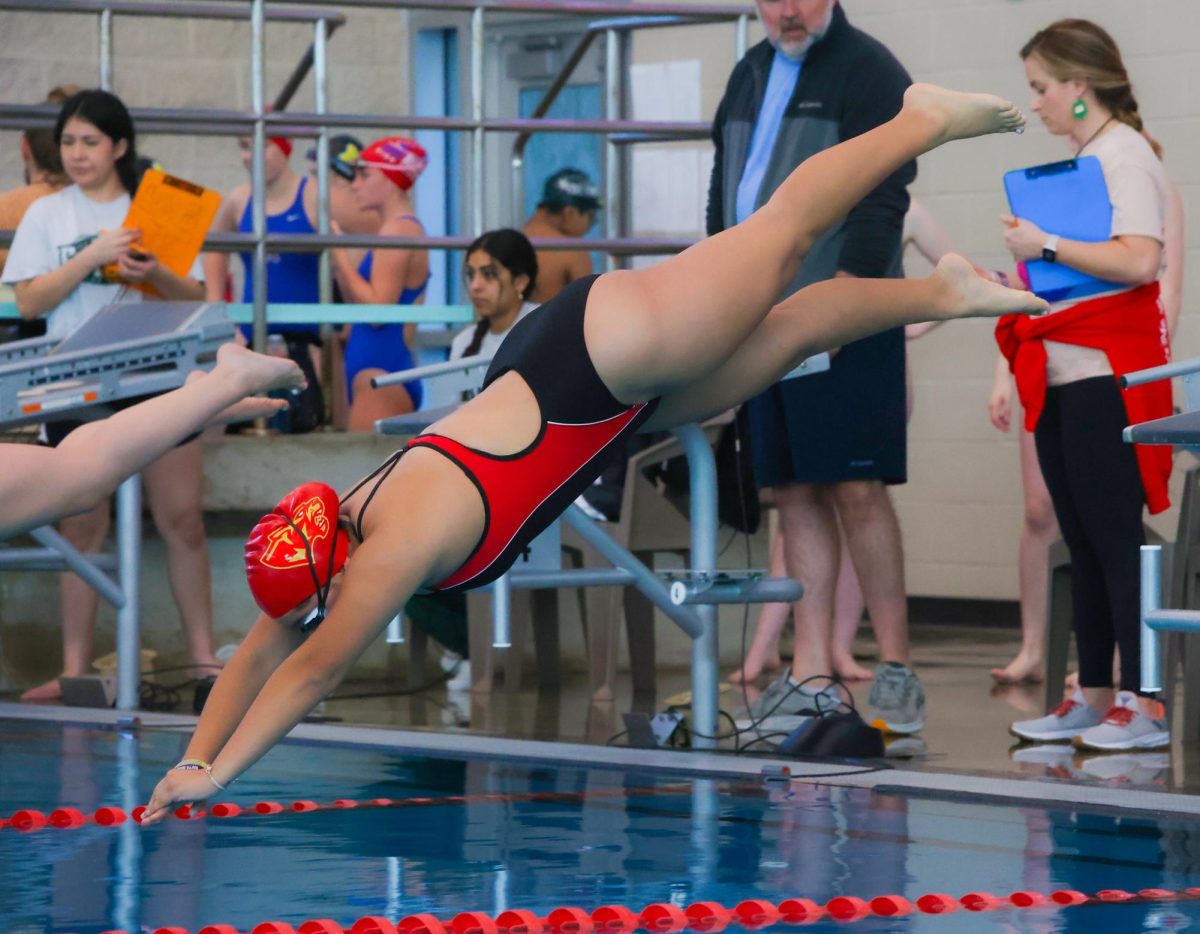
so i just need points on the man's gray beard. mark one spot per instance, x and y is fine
(795, 53)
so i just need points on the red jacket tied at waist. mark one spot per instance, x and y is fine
(1131, 330)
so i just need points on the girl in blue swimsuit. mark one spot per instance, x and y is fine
(383, 178)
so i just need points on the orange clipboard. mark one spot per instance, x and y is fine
(174, 216)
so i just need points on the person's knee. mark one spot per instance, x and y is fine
(1039, 517)
(182, 526)
(799, 499)
(861, 500)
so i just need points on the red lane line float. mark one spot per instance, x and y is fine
(1068, 897)
(268, 807)
(615, 918)
(345, 803)
(1114, 895)
(755, 913)
(519, 921)
(1028, 899)
(66, 818)
(273, 927)
(569, 921)
(937, 904)
(1159, 895)
(800, 911)
(372, 924)
(226, 809)
(981, 901)
(473, 922)
(420, 924)
(891, 906)
(109, 816)
(28, 820)
(663, 917)
(707, 917)
(137, 813)
(218, 929)
(381, 802)
(320, 926)
(177, 930)
(847, 908)
(304, 805)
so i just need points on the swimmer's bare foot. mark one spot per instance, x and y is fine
(845, 668)
(1024, 669)
(50, 691)
(752, 668)
(958, 115)
(965, 294)
(258, 373)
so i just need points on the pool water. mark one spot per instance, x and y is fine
(499, 836)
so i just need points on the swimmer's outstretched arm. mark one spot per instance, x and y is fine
(242, 720)
(39, 485)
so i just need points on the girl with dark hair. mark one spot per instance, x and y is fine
(1065, 367)
(501, 271)
(71, 257)
(632, 349)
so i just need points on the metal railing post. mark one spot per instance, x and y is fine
(741, 36)
(258, 172)
(321, 95)
(106, 50)
(612, 111)
(477, 222)
(1152, 679)
(129, 564)
(702, 474)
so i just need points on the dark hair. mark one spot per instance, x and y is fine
(45, 153)
(1079, 50)
(512, 250)
(105, 112)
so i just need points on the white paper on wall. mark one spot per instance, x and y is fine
(666, 90)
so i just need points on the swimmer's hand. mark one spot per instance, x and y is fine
(177, 787)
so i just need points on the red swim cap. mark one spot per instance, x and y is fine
(400, 158)
(294, 551)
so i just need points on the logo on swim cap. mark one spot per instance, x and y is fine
(285, 545)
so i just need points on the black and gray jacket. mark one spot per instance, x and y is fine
(849, 84)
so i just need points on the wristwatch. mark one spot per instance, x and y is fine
(1050, 248)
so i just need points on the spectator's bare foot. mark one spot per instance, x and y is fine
(845, 668)
(752, 668)
(250, 408)
(1024, 669)
(959, 115)
(965, 294)
(50, 691)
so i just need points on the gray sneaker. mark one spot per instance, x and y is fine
(1062, 724)
(784, 705)
(897, 703)
(1126, 727)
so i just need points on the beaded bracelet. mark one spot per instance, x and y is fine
(199, 765)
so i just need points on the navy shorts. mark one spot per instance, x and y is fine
(841, 425)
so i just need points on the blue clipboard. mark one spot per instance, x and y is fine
(1070, 199)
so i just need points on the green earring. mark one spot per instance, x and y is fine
(1079, 109)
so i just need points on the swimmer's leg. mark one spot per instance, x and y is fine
(660, 328)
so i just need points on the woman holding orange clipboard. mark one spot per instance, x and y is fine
(61, 265)
(1066, 367)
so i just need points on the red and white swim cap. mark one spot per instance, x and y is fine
(398, 157)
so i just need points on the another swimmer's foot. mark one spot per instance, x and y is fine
(50, 691)
(752, 669)
(845, 668)
(958, 115)
(966, 294)
(251, 408)
(259, 373)
(1024, 669)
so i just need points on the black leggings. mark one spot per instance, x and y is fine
(1094, 483)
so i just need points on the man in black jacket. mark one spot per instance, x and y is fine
(827, 444)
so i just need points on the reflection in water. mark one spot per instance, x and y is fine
(491, 836)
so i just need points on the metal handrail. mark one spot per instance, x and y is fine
(176, 9)
(716, 13)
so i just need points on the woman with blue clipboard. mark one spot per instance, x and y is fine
(1106, 320)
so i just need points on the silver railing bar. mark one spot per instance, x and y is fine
(176, 9)
(715, 13)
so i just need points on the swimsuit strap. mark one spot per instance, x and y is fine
(385, 469)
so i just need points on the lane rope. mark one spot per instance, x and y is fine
(703, 917)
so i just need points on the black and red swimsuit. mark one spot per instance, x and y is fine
(582, 425)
